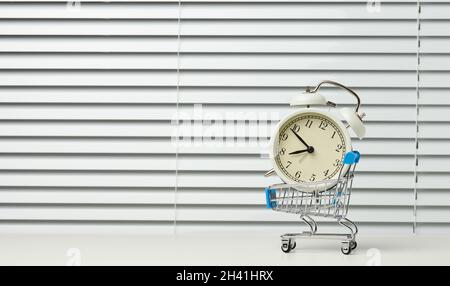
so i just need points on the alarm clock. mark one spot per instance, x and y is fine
(309, 144)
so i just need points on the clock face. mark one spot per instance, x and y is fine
(309, 147)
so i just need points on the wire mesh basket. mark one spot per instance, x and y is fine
(328, 198)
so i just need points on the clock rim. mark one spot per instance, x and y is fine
(336, 120)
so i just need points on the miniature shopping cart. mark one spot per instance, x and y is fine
(329, 198)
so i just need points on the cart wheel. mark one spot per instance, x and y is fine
(346, 248)
(293, 245)
(286, 246)
(346, 251)
(353, 244)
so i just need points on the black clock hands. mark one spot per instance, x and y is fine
(310, 149)
(298, 152)
(300, 138)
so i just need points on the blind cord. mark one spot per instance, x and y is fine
(177, 120)
(416, 158)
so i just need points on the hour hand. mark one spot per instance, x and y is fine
(298, 152)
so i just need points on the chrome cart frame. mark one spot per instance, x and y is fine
(329, 198)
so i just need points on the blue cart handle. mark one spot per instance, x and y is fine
(352, 157)
(270, 194)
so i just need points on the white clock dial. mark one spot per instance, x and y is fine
(309, 146)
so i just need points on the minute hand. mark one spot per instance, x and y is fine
(300, 138)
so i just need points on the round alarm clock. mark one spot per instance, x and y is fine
(309, 144)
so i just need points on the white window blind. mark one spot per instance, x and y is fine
(88, 96)
(433, 165)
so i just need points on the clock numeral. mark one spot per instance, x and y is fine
(323, 125)
(284, 136)
(334, 133)
(298, 174)
(339, 147)
(288, 164)
(326, 172)
(308, 123)
(312, 178)
(296, 128)
(282, 151)
(337, 162)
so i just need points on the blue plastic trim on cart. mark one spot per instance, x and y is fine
(357, 157)
(270, 193)
(351, 157)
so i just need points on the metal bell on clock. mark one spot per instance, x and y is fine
(353, 117)
(307, 99)
(354, 120)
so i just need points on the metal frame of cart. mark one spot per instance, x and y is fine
(329, 198)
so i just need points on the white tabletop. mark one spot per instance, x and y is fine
(216, 249)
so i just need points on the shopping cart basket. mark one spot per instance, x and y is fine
(328, 198)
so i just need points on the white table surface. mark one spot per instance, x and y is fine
(216, 249)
